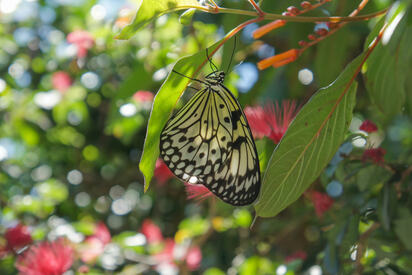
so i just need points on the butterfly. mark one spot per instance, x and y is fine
(209, 141)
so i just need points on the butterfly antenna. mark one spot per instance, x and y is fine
(231, 57)
(193, 79)
(214, 68)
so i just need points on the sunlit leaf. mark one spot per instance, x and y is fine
(309, 144)
(164, 102)
(148, 10)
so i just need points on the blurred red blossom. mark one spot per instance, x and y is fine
(368, 126)
(143, 96)
(300, 254)
(167, 253)
(46, 258)
(83, 41)
(193, 258)
(151, 231)
(102, 233)
(61, 81)
(162, 173)
(321, 201)
(197, 191)
(94, 244)
(192, 255)
(17, 237)
(271, 121)
(374, 154)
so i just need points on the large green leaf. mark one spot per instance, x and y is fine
(164, 102)
(149, 10)
(309, 144)
(388, 67)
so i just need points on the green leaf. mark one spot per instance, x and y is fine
(403, 227)
(52, 190)
(187, 16)
(371, 176)
(257, 265)
(148, 10)
(163, 104)
(387, 205)
(309, 144)
(388, 67)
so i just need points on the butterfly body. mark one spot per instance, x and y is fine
(209, 142)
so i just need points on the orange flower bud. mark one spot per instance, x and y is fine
(279, 59)
(267, 28)
(311, 37)
(293, 10)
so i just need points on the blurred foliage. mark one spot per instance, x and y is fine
(74, 108)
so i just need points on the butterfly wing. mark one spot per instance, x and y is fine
(209, 142)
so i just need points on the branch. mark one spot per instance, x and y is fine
(361, 247)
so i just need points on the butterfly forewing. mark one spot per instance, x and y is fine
(209, 142)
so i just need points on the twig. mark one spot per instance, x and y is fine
(361, 247)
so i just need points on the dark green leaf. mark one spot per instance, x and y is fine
(371, 175)
(403, 227)
(387, 205)
(388, 67)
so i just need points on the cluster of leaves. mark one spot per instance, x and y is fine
(74, 105)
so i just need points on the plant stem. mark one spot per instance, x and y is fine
(273, 16)
(361, 247)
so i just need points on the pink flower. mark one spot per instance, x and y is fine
(46, 258)
(197, 191)
(368, 126)
(297, 255)
(17, 237)
(166, 255)
(321, 201)
(193, 258)
(102, 233)
(94, 245)
(271, 121)
(151, 231)
(143, 96)
(83, 41)
(374, 154)
(61, 81)
(162, 173)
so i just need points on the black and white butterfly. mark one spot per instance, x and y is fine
(209, 142)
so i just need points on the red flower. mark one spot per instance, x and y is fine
(368, 126)
(61, 81)
(321, 201)
(143, 96)
(271, 121)
(197, 191)
(297, 255)
(83, 41)
(151, 231)
(162, 173)
(17, 237)
(46, 258)
(193, 258)
(374, 154)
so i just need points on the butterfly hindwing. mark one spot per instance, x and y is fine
(209, 142)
